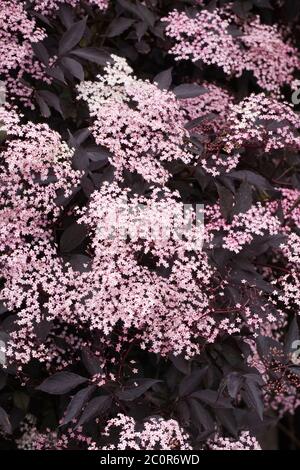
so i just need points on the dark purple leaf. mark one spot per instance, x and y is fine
(199, 120)
(92, 54)
(183, 412)
(242, 8)
(145, 14)
(4, 421)
(97, 153)
(164, 79)
(189, 90)
(41, 52)
(81, 159)
(200, 416)
(212, 398)
(291, 336)
(265, 346)
(41, 17)
(76, 404)
(227, 419)
(118, 26)
(262, 3)
(133, 391)
(43, 329)
(21, 400)
(80, 263)
(3, 308)
(81, 135)
(255, 398)
(72, 237)
(226, 200)
(234, 382)
(139, 10)
(192, 382)
(234, 31)
(87, 185)
(74, 67)
(66, 15)
(51, 99)
(44, 108)
(141, 28)
(61, 382)
(181, 364)
(243, 199)
(96, 407)
(3, 379)
(57, 73)
(72, 37)
(253, 178)
(91, 362)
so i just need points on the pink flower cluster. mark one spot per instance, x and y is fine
(260, 121)
(141, 125)
(17, 34)
(146, 277)
(244, 442)
(47, 7)
(213, 105)
(168, 312)
(271, 60)
(258, 48)
(204, 38)
(36, 173)
(259, 220)
(156, 434)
